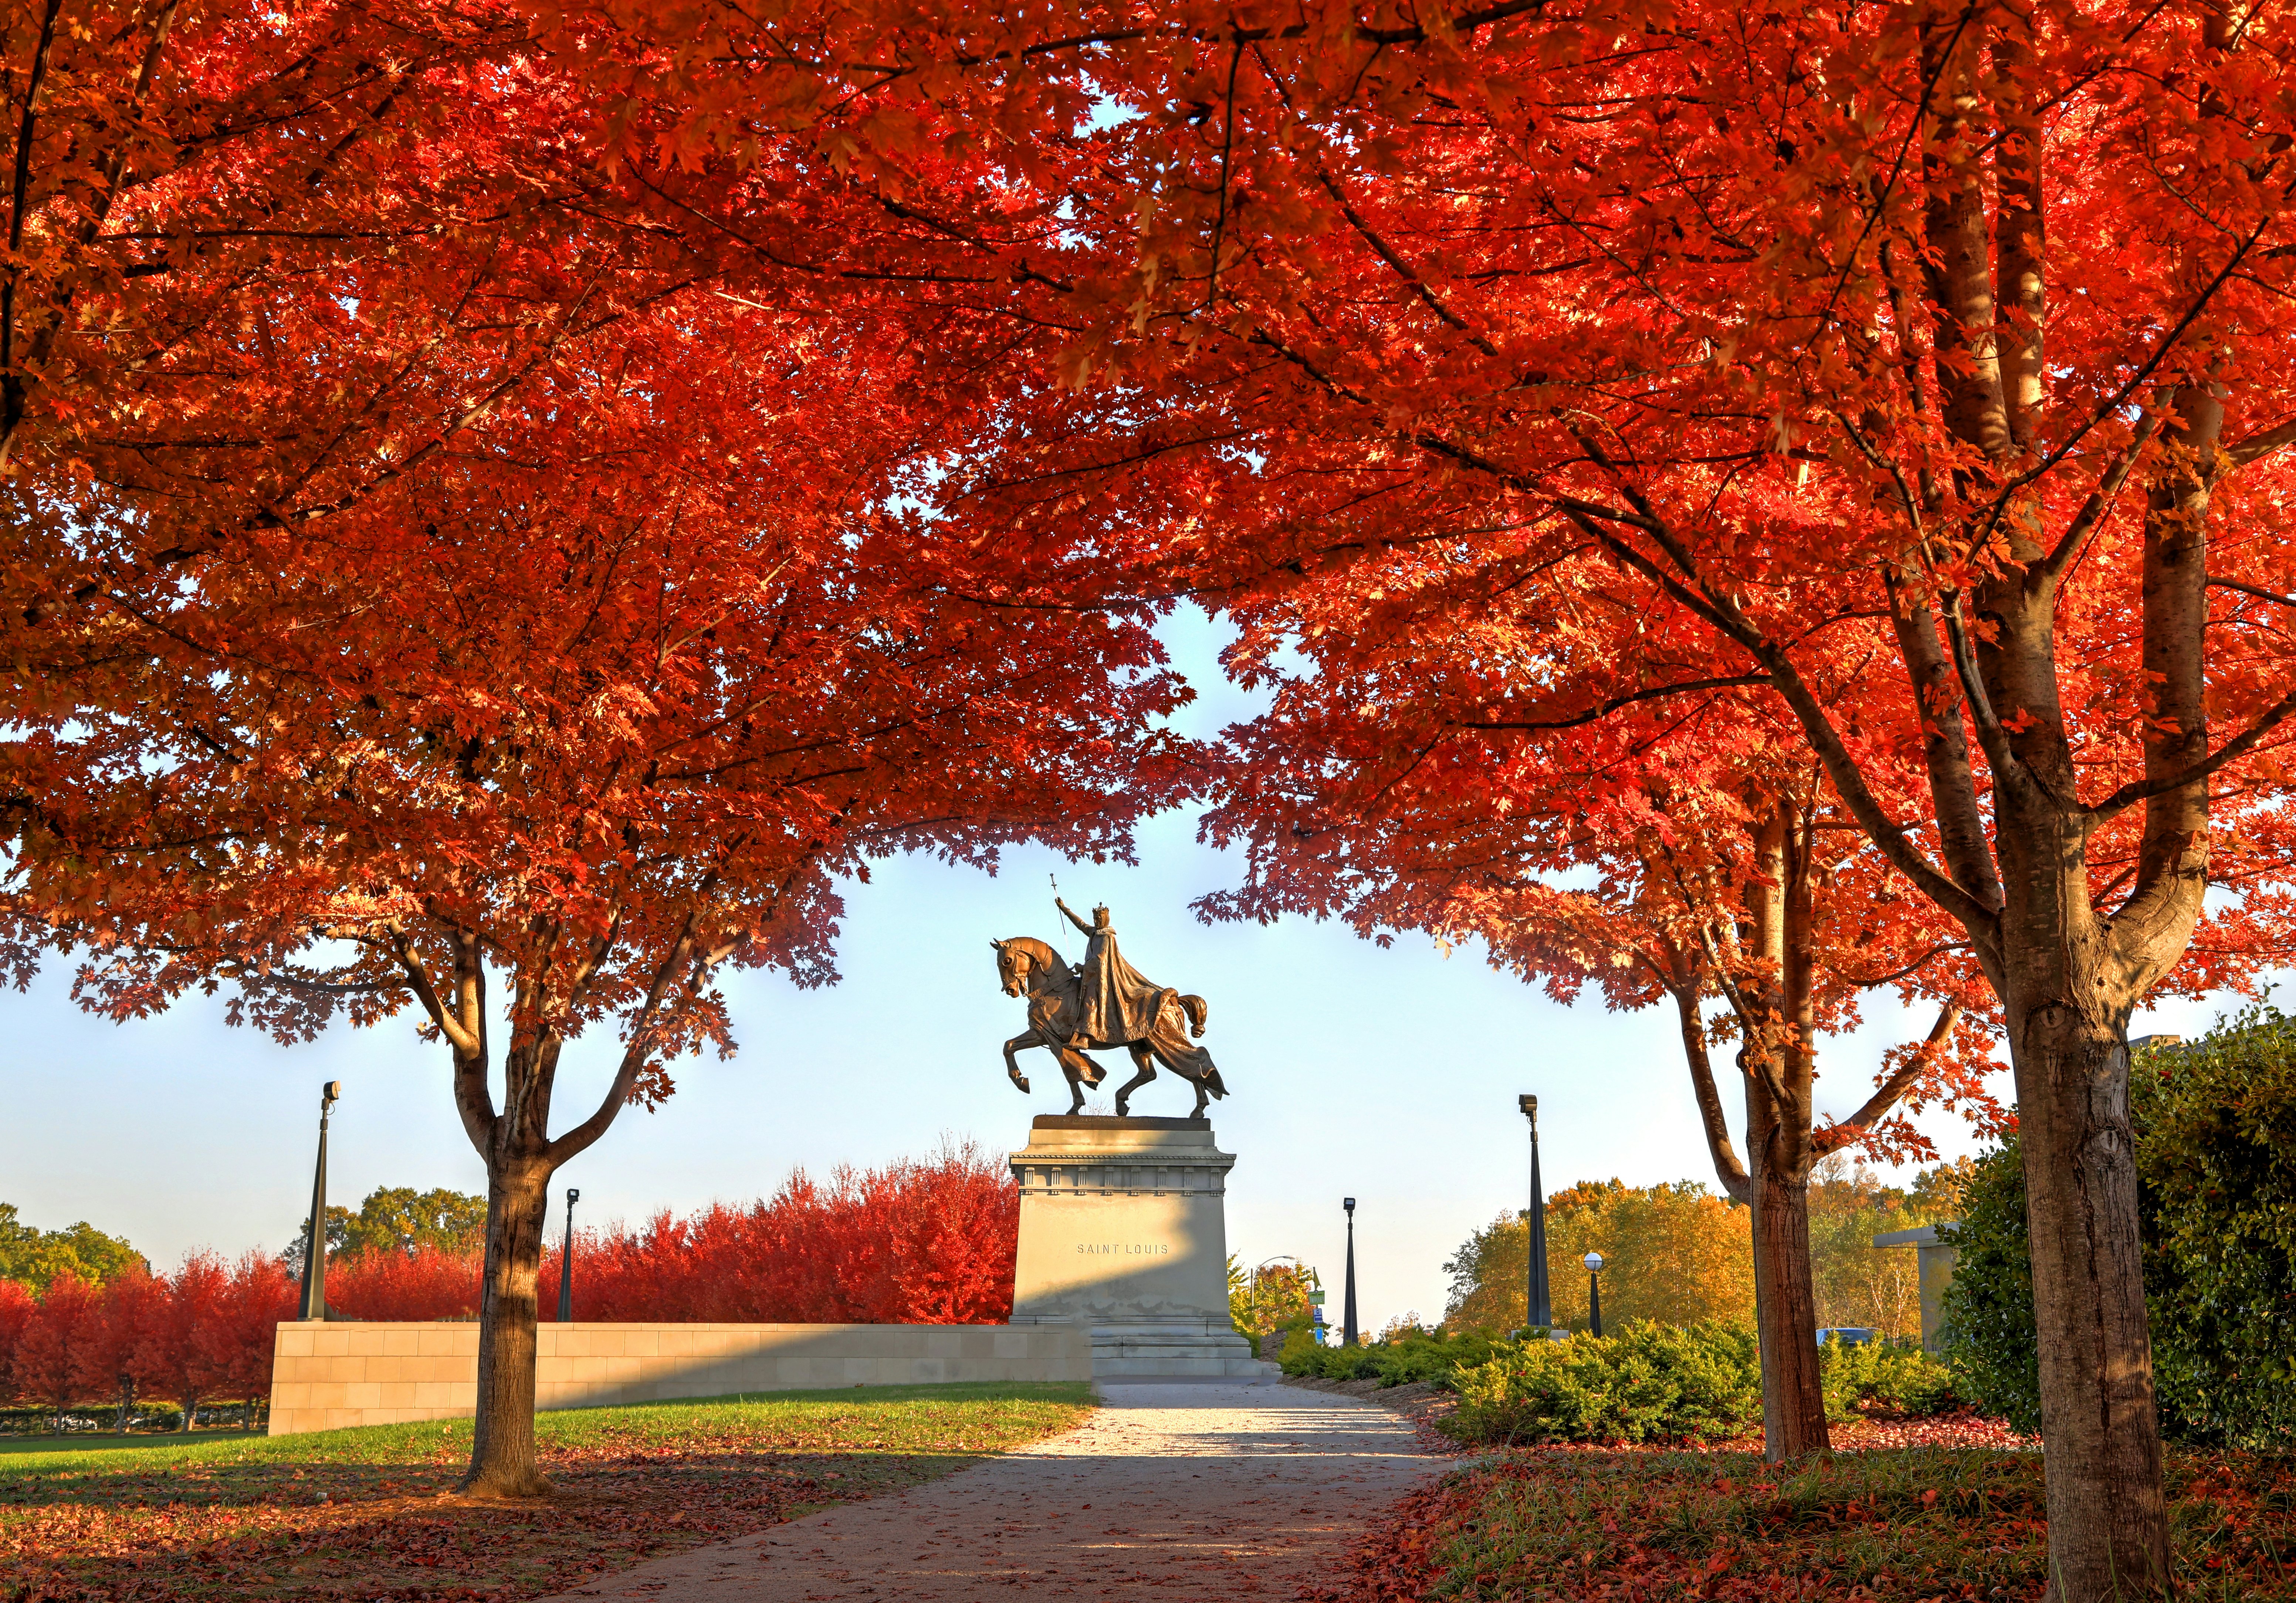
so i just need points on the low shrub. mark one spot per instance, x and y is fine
(1650, 1382)
(1888, 1378)
(1425, 1356)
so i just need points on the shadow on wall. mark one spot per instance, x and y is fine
(325, 1377)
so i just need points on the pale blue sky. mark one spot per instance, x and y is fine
(1389, 1075)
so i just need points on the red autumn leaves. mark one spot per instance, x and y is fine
(918, 1241)
(204, 1332)
(923, 1241)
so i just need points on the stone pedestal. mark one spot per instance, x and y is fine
(1123, 1229)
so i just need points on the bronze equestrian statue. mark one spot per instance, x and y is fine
(1106, 1003)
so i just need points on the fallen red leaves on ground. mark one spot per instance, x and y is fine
(1920, 1524)
(218, 1530)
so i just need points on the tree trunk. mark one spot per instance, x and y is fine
(191, 1412)
(502, 1448)
(1785, 1294)
(1780, 1060)
(2108, 1517)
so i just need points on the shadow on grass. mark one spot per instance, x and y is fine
(369, 1512)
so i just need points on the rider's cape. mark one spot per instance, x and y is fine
(1120, 1003)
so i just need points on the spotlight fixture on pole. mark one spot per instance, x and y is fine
(566, 1262)
(1348, 1327)
(1594, 1293)
(313, 1304)
(1539, 1305)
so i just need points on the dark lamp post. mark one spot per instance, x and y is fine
(1594, 1293)
(1538, 1306)
(1348, 1317)
(314, 1300)
(566, 1262)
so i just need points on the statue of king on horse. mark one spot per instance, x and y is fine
(1106, 1003)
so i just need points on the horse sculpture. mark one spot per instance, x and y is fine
(1058, 1009)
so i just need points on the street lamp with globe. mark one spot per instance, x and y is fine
(1594, 1293)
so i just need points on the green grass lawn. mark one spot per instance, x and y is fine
(231, 1515)
(81, 1443)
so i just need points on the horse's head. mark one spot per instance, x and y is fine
(1020, 959)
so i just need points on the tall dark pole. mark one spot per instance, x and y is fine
(314, 1305)
(1538, 1305)
(566, 1262)
(1347, 1326)
(1595, 1294)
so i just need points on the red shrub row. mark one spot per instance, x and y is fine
(917, 1242)
(200, 1333)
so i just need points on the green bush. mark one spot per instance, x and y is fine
(1650, 1382)
(1890, 1378)
(1989, 1344)
(2216, 1162)
(1427, 1356)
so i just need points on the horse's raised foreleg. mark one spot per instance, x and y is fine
(1140, 1060)
(1012, 1064)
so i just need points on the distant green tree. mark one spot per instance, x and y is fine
(401, 1219)
(34, 1256)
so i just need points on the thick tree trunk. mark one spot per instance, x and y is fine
(1785, 1294)
(1780, 1061)
(501, 1449)
(2068, 1034)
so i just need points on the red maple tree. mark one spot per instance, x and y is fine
(1969, 321)
(1683, 855)
(60, 1333)
(598, 717)
(177, 1354)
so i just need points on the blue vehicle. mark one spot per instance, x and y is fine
(1848, 1335)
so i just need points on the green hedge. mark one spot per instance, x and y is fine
(2216, 1161)
(1653, 1382)
(1419, 1355)
(1650, 1382)
(1887, 1378)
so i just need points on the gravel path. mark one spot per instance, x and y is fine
(1215, 1488)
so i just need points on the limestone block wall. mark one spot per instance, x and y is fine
(324, 1376)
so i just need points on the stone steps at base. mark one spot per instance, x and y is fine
(1119, 1351)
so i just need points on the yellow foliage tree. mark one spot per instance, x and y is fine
(1677, 1254)
(1859, 1283)
(1672, 1253)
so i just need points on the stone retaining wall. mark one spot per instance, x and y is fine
(324, 1376)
